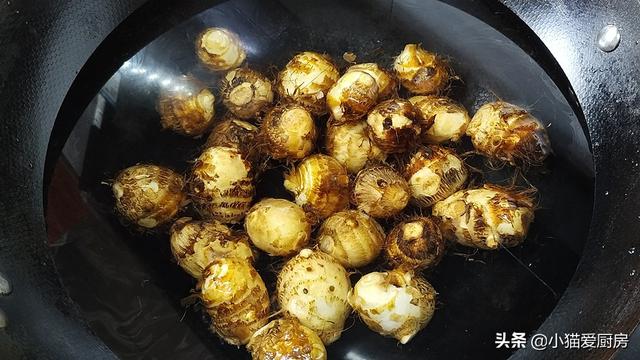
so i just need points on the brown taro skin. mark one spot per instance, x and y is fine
(221, 184)
(246, 92)
(414, 244)
(306, 80)
(313, 287)
(444, 120)
(387, 84)
(278, 227)
(320, 185)
(219, 49)
(380, 191)
(288, 132)
(490, 217)
(286, 339)
(148, 195)
(396, 303)
(352, 237)
(238, 134)
(509, 133)
(187, 107)
(422, 72)
(352, 96)
(195, 243)
(236, 298)
(434, 173)
(394, 125)
(350, 144)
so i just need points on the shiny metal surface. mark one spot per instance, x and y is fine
(608, 38)
(607, 85)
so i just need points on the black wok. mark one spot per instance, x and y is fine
(100, 289)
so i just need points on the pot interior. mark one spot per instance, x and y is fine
(129, 289)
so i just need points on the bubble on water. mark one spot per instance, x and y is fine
(606, 193)
(632, 273)
(632, 250)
